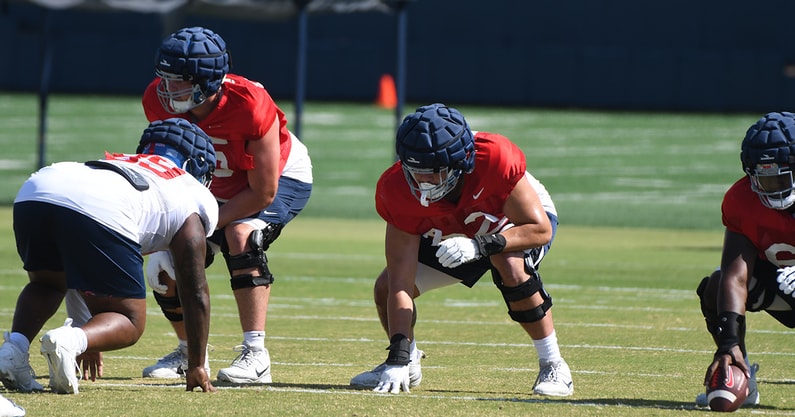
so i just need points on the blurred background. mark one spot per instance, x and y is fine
(631, 113)
(677, 55)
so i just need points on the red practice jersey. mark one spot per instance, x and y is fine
(245, 112)
(499, 165)
(771, 231)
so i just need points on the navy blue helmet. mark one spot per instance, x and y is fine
(191, 63)
(435, 146)
(768, 154)
(182, 142)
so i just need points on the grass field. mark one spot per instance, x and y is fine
(639, 199)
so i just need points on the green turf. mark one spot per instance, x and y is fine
(627, 319)
(622, 273)
(602, 168)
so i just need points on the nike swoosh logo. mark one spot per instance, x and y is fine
(260, 373)
(475, 196)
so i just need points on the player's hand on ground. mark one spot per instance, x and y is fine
(786, 280)
(393, 379)
(90, 364)
(197, 378)
(457, 250)
(159, 262)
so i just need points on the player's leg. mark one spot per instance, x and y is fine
(251, 285)
(174, 363)
(371, 378)
(106, 268)
(246, 242)
(34, 230)
(530, 305)
(37, 303)
(430, 275)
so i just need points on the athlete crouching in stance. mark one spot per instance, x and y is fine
(86, 226)
(757, 268)
(457, 204)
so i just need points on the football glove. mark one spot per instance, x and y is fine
(393, 379)
(458, 250)
(159, 261)
(786, 280)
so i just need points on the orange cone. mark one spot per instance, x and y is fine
(387, 97)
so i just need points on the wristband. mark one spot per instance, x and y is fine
(490, 244)
(399, 350)
(727, 334)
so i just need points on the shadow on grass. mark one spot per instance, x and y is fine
(284, 385)
(627, 402)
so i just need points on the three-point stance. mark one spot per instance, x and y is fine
(86, 226)
(757, 267)
(458, 204)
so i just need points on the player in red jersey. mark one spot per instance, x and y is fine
(262, 181)
(457, 205)
(757, 269)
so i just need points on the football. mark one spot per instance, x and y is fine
(729, 394)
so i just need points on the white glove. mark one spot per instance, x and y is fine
(159, 261)
(393, 378)
(786, 280)
(458, 250)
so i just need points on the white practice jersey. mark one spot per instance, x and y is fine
(151, 217)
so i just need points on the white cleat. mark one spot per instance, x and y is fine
(554, 379)
(59, 346)
(173, 365)
(9, 408)
(15, 371)
(252, 366)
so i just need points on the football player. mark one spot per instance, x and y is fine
(458, 204)
(757, 267)
(262, 181)
(86, 226)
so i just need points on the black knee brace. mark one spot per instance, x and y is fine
(169, 303)
(521, 292)
(253, 258)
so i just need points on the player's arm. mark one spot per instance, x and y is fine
(531, 230)
(263, 179)
(524, 209)
(401, 267)
(737, 262)
(188, 250)
(401, 250)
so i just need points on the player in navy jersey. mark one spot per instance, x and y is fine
(457, 204)
(87, 226)
(262, 181)
(757, 268)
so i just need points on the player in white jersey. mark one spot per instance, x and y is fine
(86, 227)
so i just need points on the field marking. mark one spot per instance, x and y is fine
(631, 403)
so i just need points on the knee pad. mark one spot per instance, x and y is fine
(523, 291)
(169, 303)
(253, 258)
(710, 316)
